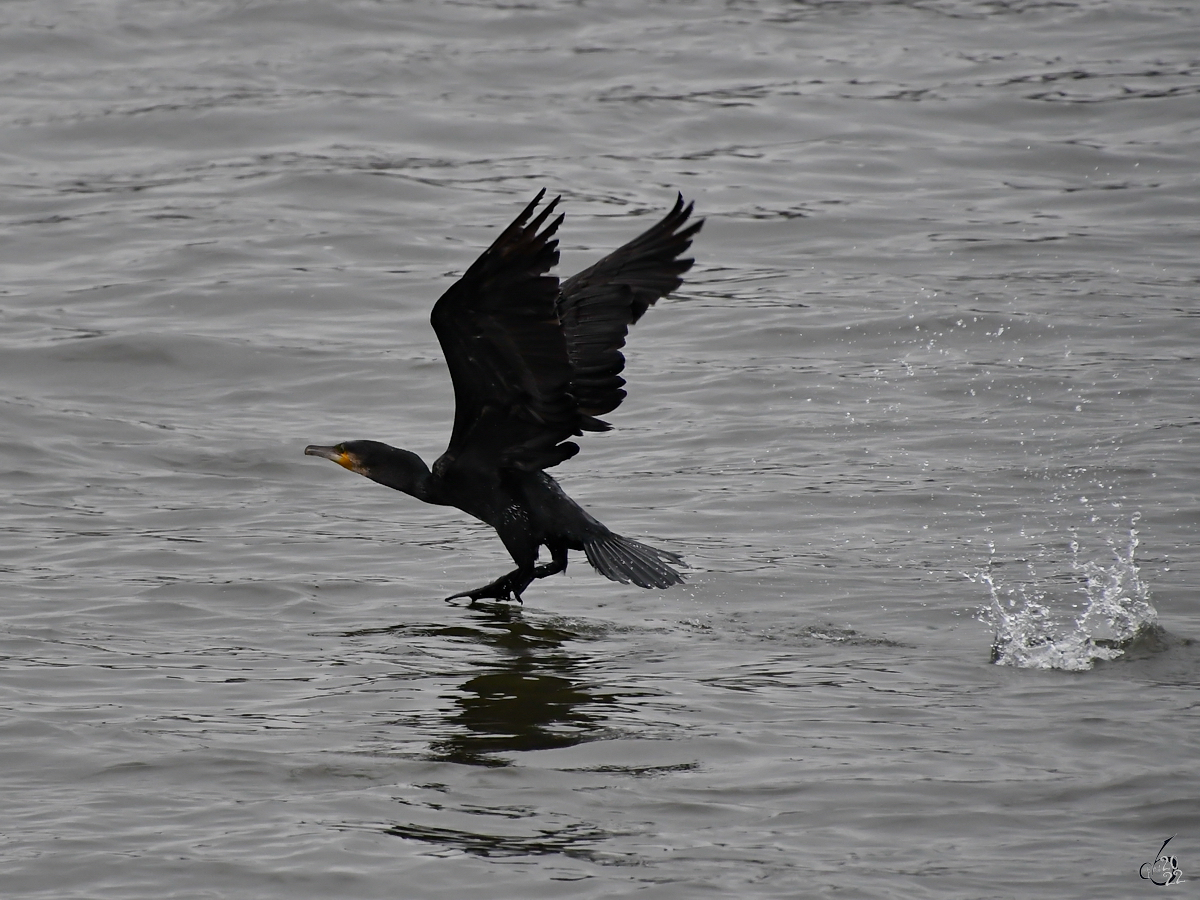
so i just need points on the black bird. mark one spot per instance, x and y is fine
(534, 363)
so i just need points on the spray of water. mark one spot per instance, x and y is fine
(1031, 630)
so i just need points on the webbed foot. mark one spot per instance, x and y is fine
(507, 588)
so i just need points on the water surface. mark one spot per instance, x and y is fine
(923, 420)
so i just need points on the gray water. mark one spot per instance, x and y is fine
(924, 421)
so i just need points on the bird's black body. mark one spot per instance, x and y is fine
(534, 363)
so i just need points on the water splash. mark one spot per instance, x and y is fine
(1032, 633)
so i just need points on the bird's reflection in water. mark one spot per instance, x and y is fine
(532, 698)
(529, 692)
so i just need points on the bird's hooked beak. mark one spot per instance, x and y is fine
(338, 454)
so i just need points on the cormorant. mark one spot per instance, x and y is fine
(534, 363)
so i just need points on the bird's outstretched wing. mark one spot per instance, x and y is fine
(597, 306)
(503, 342)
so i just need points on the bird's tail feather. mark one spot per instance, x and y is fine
(627, 561)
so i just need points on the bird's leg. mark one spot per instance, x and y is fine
(558, 563)
(523, 548)
(506, 587)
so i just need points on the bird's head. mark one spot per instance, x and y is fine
(399, 469)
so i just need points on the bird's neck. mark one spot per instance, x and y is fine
(404, 471)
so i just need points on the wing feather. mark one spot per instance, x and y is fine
(533, 364)
(504, 345)
(598, 305)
